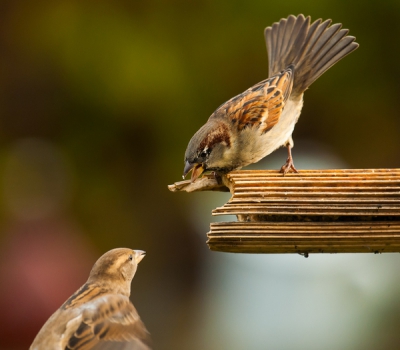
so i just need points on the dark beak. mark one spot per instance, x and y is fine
(197, 170)
(188, 167)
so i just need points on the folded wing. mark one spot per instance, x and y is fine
(109, 322)
(260, 106)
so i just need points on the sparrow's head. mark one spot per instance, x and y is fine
(117, 266)
(209, 149)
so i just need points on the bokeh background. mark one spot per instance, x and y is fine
(98, 100)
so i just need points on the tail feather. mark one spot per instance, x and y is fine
(285, 34)
(279, 39)
(310, 49)
(336, 36)
(296, 41)
(345, 47)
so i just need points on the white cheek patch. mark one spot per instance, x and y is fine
(225, 158)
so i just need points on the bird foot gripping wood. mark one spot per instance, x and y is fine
(288, 167)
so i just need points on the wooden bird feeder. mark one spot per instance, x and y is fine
(313, 211)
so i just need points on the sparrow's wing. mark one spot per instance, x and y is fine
(260, 106)
(108, 322)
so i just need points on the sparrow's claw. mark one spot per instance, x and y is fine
(288, 167)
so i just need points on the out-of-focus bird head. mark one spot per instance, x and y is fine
(209, 149)
(99, 315)
(117, 268)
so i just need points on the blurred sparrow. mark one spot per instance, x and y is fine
(99, 315)
(253, 124)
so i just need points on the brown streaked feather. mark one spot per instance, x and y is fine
(111, 318)
(260, 106)
(84, 294)
(220, 134)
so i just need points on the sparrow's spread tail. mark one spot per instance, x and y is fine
(310, 48)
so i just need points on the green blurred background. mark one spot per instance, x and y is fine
(98, 100)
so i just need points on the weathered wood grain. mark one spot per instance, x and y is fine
(313, 211)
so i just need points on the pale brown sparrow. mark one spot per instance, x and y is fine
(253, 124)
(99, 315)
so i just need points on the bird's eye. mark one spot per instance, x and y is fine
(205, 153)
(131, 257)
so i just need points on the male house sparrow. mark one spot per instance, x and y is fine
(253, 124)
(99, 315)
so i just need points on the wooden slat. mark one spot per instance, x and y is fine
(305, 238)
(314, 211)
(365, 192)
(317, 172)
